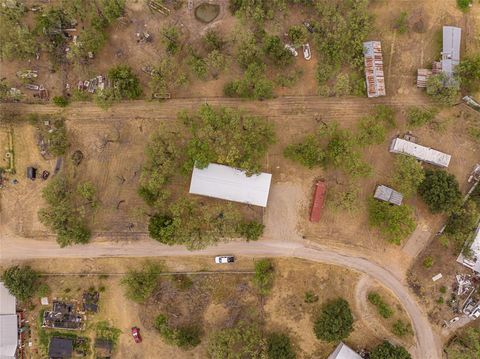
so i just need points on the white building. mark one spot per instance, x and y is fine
(344, 352)
(472, 262)
(452, 37)
(231, 184)
(422, 153)
(8, 324)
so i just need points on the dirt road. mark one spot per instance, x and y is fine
(428, 345)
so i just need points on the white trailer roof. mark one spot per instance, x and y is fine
(231, 184)
(422, 153)
(9, 336)
(7, 301)
(344, 352)
(451, 48)
(473, 262)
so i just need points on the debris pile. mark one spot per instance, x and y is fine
(99, 82)
(63, 316)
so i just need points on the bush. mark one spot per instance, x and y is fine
(248, 52)
(57, 139)
(125, 84)
(468, 71)
(104, 331)
(400, 328)
(43, 290)
(464, 5)
(440, 191)
(198, 66)
(263, 277)
(161, 228)
(428, 262)
(443, 89)
(60, 101)
(254, 85)
(408, 176)
(401, 22)
(383, 308)
(279, 346)
(251, 230)
(140, 284)
(389, 351)
(185, 338)
(395, 223)
(21, 281)
(308, 152)
(298, 35)
(461, 224)
(171, 39)
(310, 297)
(335, 323)
(417, 116)
(213, 41)
(276, 51)
(370, 131)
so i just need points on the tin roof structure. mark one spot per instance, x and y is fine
(231, 184)
(451, 48)
(60, 348)
(342, 351)
(375, 79)
(422, 77)
(8, 324)
(473, 261)
(384, 193)
(422, 153)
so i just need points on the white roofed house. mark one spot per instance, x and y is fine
(472, 258)
(8, 324)
(422, 153)
(342, 351)
(231, 184)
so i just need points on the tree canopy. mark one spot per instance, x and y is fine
(140, 284)
(335, 322)
(466, 345)
(468, 71)
(443, 89)
(21, 281)
(263, 277)
(279, 346)
(408, 175)
(440, 191)
(389, 351)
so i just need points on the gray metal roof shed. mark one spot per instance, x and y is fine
(60, 348)
(8, 324)
(231, 184)
(342, 351)
(387, 194)
(452, 37)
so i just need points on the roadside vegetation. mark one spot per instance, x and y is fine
(466, 344)
(335, 322)
(21, 281)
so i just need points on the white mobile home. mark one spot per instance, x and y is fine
(473, 261)
(422, 153)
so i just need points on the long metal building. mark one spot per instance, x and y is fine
(422, 153)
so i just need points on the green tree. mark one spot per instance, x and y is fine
(171, 39)
(16, 40)
(125, 84)
(198, 66)
(60, 101)
(162, 229)
(184, 337)
(57, 138)
(370, 131)
(253, 85)
(443, 89)
(308, 152)
(335, 322)
(400, 328)
(276, 51)
(464, 5)
(105, 331)
(140, 284)
(383, 308)
(468, 71)
(248, 52)
(263, 277)
(417, 116)
(465, 345)
(408, 175)
(227, 136)
(166, 77)
(216, 62)
(440, 191)
(21, 281)
(389, 351)
(279, 346)
(298, 35)
(242, 341)
(251, 230)
(395, 223)
(462, 223)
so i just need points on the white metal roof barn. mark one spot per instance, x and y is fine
(8, 324)
(422, 153)
(231, 184)
(344, 352)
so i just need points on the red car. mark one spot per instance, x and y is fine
(136, 334)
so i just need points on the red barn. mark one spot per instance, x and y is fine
(318, 201)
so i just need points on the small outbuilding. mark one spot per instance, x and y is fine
(60, 348)
(452, 37)
(231, 184)
(103, 348)
(422, 153)
(31, 173)
(318, 201)
(342, 351)
(387, 194)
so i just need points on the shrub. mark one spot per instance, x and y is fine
(440, 191)
(370, 131)
(464, 5)
(251, 230)
(383, 308)
(57, 138)
(185, 337)
(400, 328)
(279, 346)
(125, 84)
(43, 290)
(198, 66)
(21, 281)
(401, 22)
(213, 41)
(161, 228)
(60, 101)
(298, 35)
(171, 39)
(263, 277)
(242, 341)
(104, 331)
(395, 223)
(462, 223)
(276, 51)
(254, 85)
(443, 89)
(140, 284)
(308, 152)
(389, 351)
(417, 116)
(443, 289)
(468, 71)
(335, 321)
(310, 297)
(428, 262)
(408, 176)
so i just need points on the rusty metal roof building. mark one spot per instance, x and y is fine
(451, 48)
(374, 75)
(422, 153)
(387, 194)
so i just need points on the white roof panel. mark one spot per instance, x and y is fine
(231, 184)
(422, 153)
(344, 352)
(9, 336)
(451, 48)
(7, 301)
(474, 262)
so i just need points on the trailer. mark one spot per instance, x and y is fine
(318, 201)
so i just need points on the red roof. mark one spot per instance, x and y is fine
(318, 201)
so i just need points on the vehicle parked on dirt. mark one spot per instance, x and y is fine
(224, 259)
(291, 49)
(309, 27)
(136, 335)
(307, 54)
